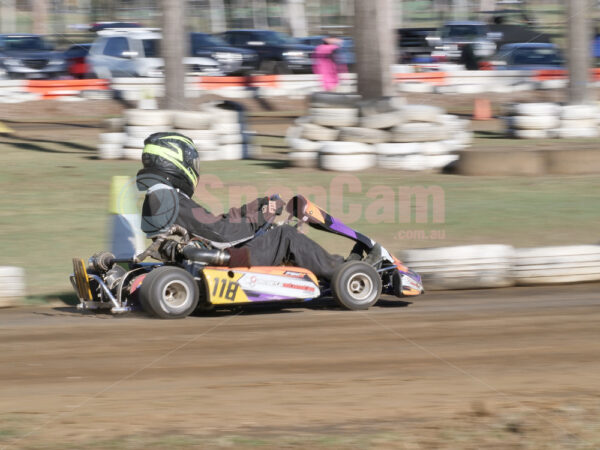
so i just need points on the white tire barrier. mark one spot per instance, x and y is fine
(463, 267)
(534, 109)
(398, 148)
(231, 151)
(192, 120)
(334, 117)
(382, 120)
(434, 148)
(304, 145)
(135, 142)
(206, 144)
(316, 132)
(220, 114)
(437, 162)
(532, 134)
(421, 113)
(578, 123)
(364, 135)
(533, 122)
(227, 128)
(578, 112)
(235, 138)
(198, 135)
(148, 117)
(134, 154)
(112, 138)
(416, 86)
(346, 156)
(575, 133)
(412, 162)
(209, 155)
(554, 265)
(145, 131)
(419, 132)
(110, 151)
(303, 159)
(12, 285)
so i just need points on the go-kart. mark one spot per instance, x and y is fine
(193, 276)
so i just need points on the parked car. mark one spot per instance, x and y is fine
(528, 56)
(99, 26)
(231, 60)
(30, 56)
(277, 52)
(137, 54)
(77, 65)
(413, 43)
(453, 36)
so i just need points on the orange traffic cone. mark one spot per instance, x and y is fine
(482, 109)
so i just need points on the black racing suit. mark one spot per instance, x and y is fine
(236, 231)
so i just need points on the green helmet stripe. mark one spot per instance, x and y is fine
(167, 153)
(179, 138)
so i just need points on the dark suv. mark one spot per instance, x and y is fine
(231, 60)
(277, 52)
(30, 56)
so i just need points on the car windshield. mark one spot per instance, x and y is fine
(462, 31)
(24, 43)
(276, 38)
(536, 56)
(206, 40)
(151, 48)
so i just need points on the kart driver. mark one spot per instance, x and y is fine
(169, 177)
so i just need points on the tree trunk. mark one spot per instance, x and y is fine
(297, 17)
(374, 46)
(579, 51)
(174, 48)
(259, 14)
(217, 16)
(40, 16)
(8, 22)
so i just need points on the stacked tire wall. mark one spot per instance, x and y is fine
(217, 132)
(551, 120)
(344, 133)
(493, 266)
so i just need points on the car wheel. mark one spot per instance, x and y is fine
(169, 293)
(356, 285)
(267, 67)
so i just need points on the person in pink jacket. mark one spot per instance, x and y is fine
(325, 64)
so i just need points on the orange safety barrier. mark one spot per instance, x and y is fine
(435, 78)
(596, 74)
(210, 83)
(58, 88)
(551, 74)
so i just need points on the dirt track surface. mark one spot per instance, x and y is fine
(506, 368)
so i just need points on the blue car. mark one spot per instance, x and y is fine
(529, 56)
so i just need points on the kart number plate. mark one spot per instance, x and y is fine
(82, 281)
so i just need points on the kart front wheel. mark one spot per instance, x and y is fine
(356, 285)
(169, 293)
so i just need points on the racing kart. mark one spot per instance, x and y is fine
(191, 275)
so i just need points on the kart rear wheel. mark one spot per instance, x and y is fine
(356, 285)
(169, 293)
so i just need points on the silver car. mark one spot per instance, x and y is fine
(136, 53)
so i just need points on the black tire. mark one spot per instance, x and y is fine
(169, 293)
(356, 285)
(267, 67)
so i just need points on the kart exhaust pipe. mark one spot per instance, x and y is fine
(213, 257)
